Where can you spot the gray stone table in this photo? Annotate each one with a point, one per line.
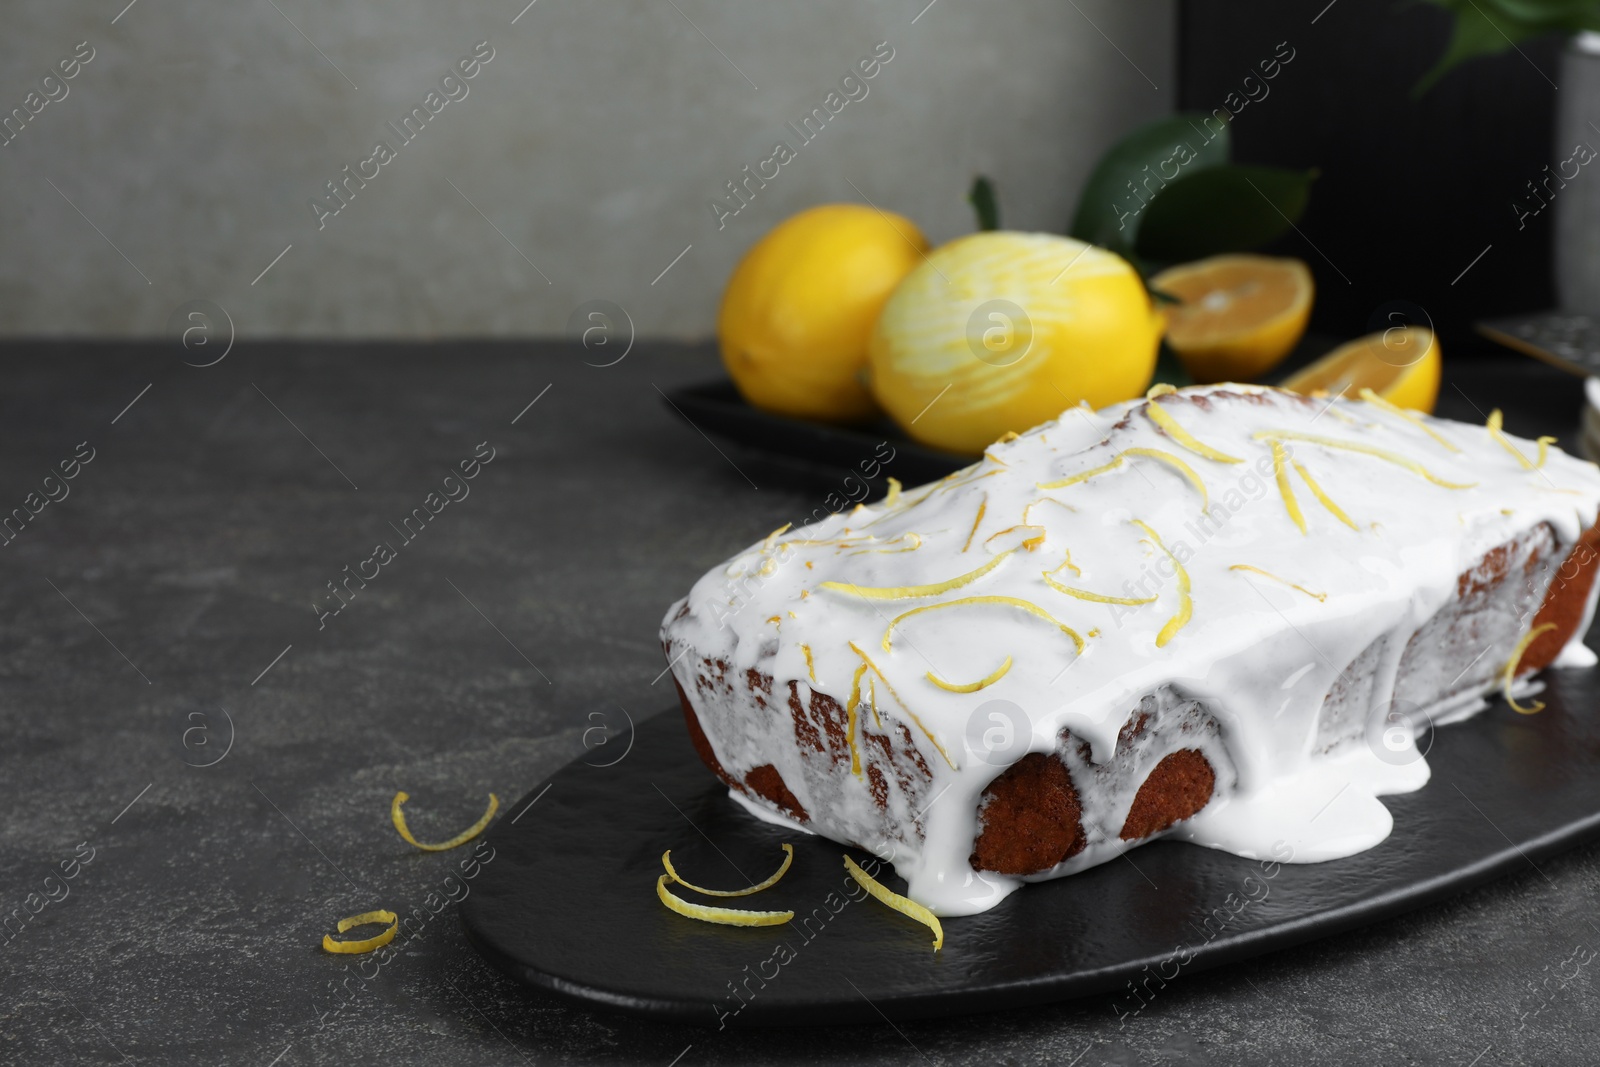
(168, 604)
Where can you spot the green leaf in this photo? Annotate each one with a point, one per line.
(984, 204)
(1113, 202)
(1230, 208)
(1484, 27)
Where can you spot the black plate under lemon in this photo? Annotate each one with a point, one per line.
(568, 903)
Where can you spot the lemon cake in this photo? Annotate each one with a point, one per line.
(1221, 614)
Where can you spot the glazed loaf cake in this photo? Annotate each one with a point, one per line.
(1220, 613)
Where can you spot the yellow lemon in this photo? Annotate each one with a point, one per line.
(1002, 331)
(1239, 316)
(799, 309)
(1401, 364)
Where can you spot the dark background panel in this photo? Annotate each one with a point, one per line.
(1410, 190)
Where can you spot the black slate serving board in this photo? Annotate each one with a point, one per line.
(569, 903)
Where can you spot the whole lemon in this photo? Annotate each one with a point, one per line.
(1002, 331)
(798, 312)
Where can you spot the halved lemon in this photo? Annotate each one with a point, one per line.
(1239, 316)
(1401, 364)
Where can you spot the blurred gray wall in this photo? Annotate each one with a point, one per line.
(180, 160)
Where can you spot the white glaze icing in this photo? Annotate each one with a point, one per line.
(1256, 653)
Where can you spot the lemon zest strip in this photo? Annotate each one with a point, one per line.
(1084, 594)
(983, 505)
(1323, 498)
(865, 659)
(1029, 543)
(893, 494)
(783, 868)
(904, 905)
(399, 819)
(1268, 574)
(1280, 471)
(1010, 601)
(906, 592)
(352, 948)
(811, 666)
(1366, 450)
(1494, 424)
(1083, 476)
(722, 916)
(1508, 673)
(1043, 500)
(1163, 418)
(1178, 465)
(1401, 413)
(1162, 455)
(972, 687)
(914, 538)
(850, 725)
(771, 538)
(1544, 450)
(1185, 600)
(1160, 389)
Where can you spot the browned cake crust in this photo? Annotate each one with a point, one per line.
(1179, 787)
(1564, 603)
(1030, 818)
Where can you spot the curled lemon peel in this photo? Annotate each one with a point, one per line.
(972, 687)
(352, 948)
(1185, 600)
(1163, 418)
(399, 819)
(1029, 543)
(783, 868)
(1401, 413)
(1026, 511)
(1009, 435)
(1159, 389)
(894, 493)
(721, 916)
(983, 505)
(904, 905)
(1010, 601)
(772, 538)
(867, 661)
(1083, 476)
(1508, 673)
(811, 666)
(1494, 424)
(1084, 594)
(1158, 454)
(1544, 450)
(1366, 450)
(1268, 574)
(850, 720)
(1323, 498)
(1280, 471)
(907, 592)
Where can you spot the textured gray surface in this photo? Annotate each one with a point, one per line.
(196, 542)
(594, 141)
